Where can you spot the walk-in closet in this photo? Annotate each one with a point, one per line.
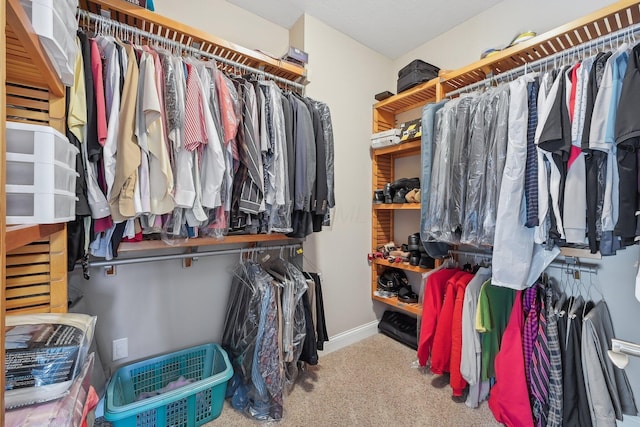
(240, 213)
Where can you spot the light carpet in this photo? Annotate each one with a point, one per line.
(374, 382)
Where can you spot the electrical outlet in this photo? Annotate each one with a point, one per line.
(120, 348)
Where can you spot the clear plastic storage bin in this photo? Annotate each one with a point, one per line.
(40, 177)
(55, 23)
(24, 206)
(39, 144)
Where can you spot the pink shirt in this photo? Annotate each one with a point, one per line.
(98, 87)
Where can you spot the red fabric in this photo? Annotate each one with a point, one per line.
(195, 135)
(573, 155)
(98, 87)
(441, 352)
(456, 381)
(136, 238)
(89, 405)
(572, 94)
(434, 288)
(509, 399)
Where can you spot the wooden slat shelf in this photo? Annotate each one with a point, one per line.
(29, 62)
(415, 309)
(409, 99)
(17, 236)
(397, 206)
(154, 23)
(409, 148)
(402, 266)
(149, 245)
(605, 21)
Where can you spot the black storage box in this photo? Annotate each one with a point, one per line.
(401, 327)
(415, 73)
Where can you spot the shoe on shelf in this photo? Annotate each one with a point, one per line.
(406, 295)
(410, 197)
(399, 254)
(403, 186)
(388, 193)
(399, 196)
(426, 261)
(378, 197)
(418, 195)
(414, 242)
(414, 258)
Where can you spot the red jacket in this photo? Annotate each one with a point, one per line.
(441, 353)
(456, 381)
(434, 289)
(509, 399)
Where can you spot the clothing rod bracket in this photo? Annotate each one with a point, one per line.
(110, 270)
(188, 262)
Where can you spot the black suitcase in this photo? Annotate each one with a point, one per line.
(415, 73)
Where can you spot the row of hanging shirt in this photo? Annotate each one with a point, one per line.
(548, 159)
(275, 321)
(172, 144)
(538, 355)
(552, 368)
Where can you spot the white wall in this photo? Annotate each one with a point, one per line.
(229, 22)
(495, 28)
(346, 75)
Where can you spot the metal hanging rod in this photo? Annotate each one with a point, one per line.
(573, 266)
(540, 63)
(179, 46)
(140, 260)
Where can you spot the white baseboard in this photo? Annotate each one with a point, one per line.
(351, 336)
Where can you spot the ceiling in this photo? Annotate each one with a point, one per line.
(391, 27)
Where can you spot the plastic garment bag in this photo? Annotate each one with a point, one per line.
(427, 156)
(441, 172)
(251, 339)
(515, 258)
(454, 216)
(497, 145)
(476, 170)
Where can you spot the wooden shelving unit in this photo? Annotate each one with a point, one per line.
(612, 18)
(383, 171)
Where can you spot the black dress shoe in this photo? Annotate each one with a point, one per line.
(406, 295)
(426, 261)
(414, 258)
(398, 197)
(414, 242)
(378, 197)
(388, 193)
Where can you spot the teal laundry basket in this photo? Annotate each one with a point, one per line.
(190, 406)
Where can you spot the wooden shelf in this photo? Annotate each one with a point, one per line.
(159, 25)
(402, 266)
(410, 99)
(150, 245)
(409, 148)
(17, 236)
(612, 18)
(397, 206)
(29, 63)
(415, 309)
